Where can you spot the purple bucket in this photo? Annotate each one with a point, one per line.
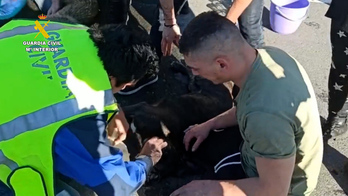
(287, 15)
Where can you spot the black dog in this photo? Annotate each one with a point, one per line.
(171, 116)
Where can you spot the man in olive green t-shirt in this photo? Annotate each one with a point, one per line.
(278, 118)
(276, 110)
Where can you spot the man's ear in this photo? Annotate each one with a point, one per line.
(221, 62)
(165, 129)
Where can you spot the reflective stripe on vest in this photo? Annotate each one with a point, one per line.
(9, 163)
(46, 116)
(41, 92)
(29, 29)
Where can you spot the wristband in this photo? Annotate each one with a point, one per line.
(169, 26)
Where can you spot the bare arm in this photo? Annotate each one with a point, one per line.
(237, 9)
(226, 119)
(275, 177)
(274, 180)
(171, 31)
(117, 128)
(168, 11)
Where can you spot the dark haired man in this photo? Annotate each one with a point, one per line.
(68, 113)
(276, 111)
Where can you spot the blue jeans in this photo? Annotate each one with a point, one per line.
(44, 5)
(250, 24)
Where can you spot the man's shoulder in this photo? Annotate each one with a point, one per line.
(279, 78)
(271, 55)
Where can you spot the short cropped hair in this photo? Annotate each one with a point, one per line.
(204, 27)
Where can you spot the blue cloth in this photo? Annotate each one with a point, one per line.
(81, 153)
(9, 8)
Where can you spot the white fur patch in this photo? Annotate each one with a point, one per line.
(133, 128)
(165, 129)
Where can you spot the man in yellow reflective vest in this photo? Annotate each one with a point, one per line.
(57, 88)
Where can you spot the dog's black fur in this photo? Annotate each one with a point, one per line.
(170, 117)
(86, 12)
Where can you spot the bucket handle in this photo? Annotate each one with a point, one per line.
(300, 19)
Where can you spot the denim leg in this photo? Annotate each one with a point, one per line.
(250, 24)
(44, 5)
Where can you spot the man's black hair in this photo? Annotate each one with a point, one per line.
(127, 53)
(203, 27)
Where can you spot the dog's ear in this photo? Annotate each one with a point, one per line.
(165, 129)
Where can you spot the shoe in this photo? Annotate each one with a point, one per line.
(139, 85)
(337, 122)
(335, 126)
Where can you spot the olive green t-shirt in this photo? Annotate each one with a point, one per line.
(278, 117)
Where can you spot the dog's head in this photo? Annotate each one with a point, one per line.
(144, 125)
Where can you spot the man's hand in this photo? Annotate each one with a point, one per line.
(56, 5)
(153, 148)
(200, 132)
(170, 35)
(117, 128)
(200, 188)
(237, 8)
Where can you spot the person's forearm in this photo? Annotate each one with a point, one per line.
(121, 121)
(251, 187)
(237, 8)
(226, 119)
(243, 187)
(168, 11)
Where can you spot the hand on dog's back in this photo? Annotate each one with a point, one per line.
(153, 148)
(199, 132)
